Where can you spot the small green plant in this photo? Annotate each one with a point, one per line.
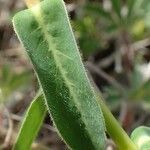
(78, 112)
(110, 19)
(141, 136)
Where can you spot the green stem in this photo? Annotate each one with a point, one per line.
(115, 131)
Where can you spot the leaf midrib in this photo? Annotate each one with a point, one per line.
(38, 15)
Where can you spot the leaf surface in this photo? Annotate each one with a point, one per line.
(31, 124)
(141, 137)
(46, 34)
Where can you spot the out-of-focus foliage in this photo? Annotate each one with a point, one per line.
(98, 22)
(11, 81)
(138, 91)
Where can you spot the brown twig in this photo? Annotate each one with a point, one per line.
(106, 61)
(92, 67)
(8, 137)
(142, 44)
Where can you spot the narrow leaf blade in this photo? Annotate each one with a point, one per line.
(50, 44)
(31, 124)
(130, 4)
(116, 4)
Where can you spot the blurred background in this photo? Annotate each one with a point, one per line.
(114, 40)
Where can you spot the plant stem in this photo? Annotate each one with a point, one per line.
(115, 131)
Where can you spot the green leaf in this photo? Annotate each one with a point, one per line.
(97, 10)
(141, 137)
(141, 92)
(31, 124)
(130, 4)
(116, 4)
(46, 33)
